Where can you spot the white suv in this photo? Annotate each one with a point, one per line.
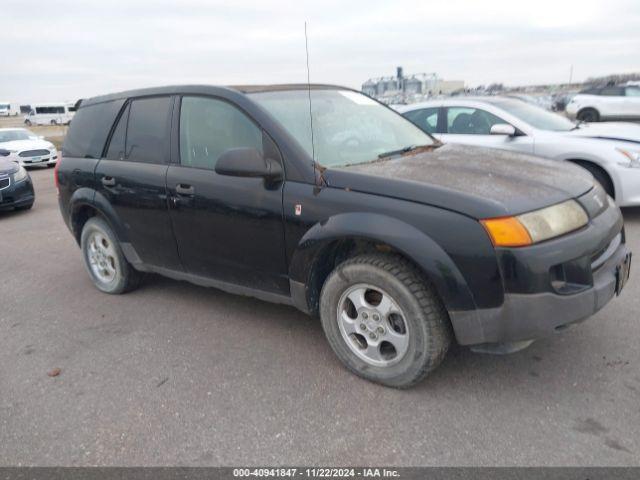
(606, 103)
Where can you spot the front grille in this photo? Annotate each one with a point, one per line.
(34, 153)
(4, 182)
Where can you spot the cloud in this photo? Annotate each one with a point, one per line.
(67, 49)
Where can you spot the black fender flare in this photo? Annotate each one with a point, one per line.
(412, 243)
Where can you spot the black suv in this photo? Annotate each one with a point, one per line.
(320, 197)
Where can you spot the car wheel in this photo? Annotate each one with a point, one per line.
(104, 260)
(27, 123)
(588, 115)
(53, 122)
(383, 320)
(51, 165)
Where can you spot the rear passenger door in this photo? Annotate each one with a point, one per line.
(132, 177)
(227, 228)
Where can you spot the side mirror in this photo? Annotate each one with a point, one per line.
(248, 162)
(503, 129)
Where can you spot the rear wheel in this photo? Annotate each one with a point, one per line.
(588, 115)
(383, 321)
(28, 123)
(104, 260)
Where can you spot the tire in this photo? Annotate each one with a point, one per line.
(51, 165)
(391, 280)
(588, 115)
(28, 123)
(104, 260)
(601, 177)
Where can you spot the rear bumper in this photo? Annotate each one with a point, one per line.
(551, 285)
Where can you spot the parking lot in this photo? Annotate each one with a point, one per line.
(175, 374)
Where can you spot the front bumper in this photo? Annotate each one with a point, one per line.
(17, 195)
(551, 285)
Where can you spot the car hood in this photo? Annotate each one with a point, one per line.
(21, 145)
(628, 132)
(478, 182)
(7, 167)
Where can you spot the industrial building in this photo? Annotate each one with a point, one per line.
(403, 89)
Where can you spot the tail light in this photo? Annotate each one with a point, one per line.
(56, 172)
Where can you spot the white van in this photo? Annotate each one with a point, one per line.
(5, 109)
(50, 114)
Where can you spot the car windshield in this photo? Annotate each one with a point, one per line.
(11, 135)
(348, 127)
(535, 116)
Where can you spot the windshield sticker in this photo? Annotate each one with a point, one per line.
(357, 98)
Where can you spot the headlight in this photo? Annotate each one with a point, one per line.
(537, 226)
(20, 175)
(632, 155)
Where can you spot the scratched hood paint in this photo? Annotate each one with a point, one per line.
(478, 182)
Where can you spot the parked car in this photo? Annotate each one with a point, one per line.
(5, 109)
(606, 103)
(398, 243)
(50, 114)
(610, 151)
(26, 148)
(16, 189)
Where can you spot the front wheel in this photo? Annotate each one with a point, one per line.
(588, 115)
(383, 320)
(104, 260)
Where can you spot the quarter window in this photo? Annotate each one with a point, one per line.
(210, 127)
(470, 121)
(425, 118)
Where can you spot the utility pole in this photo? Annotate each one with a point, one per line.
(570, 74)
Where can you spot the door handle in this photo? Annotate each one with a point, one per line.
(108, 181)
(183, 189)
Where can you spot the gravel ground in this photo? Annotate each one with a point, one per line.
(174, 374)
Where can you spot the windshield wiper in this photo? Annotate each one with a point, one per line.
(404, 150)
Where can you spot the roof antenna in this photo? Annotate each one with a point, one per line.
(313, 147)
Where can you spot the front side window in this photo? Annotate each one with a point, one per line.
(210, 127)
(425, 118)
(348, 127)
(147, 130)
(470, 121)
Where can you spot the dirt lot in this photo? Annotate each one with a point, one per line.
(174, 374)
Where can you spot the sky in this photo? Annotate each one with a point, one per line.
(64, 50)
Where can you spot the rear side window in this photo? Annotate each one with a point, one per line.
(148, 130)
(210, 127)
(89, 129)
(633, 91)
(425, 118)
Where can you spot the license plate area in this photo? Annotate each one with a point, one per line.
(622, 273)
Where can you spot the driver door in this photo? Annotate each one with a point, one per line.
(472, 126)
